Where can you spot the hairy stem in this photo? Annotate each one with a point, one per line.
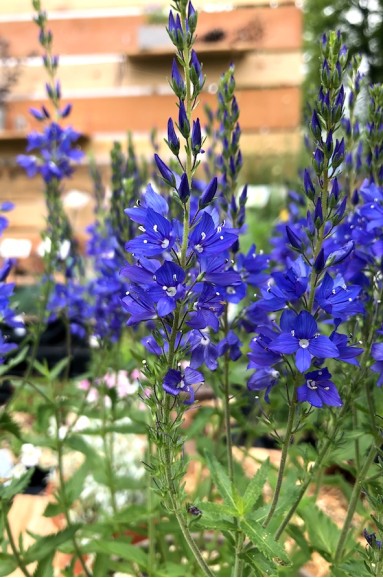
(353, 503)
(282, 465)
(12, 544)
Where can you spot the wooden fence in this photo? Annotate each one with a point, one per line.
(114, 65)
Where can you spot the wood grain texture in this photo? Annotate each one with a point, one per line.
(77, 75)
(262, 28)
(17, 7)
(273, 109)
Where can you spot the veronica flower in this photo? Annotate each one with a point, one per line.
(158, 236)
(231, 344)
(319, 390)
(300, 336)
(263, 378)
(377, 355)
(207, 309)
(207, 239)
(202, 350)
(5, 348)
(176, 382)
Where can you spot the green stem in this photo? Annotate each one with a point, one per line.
(226, 403)
(174, 500)
(313, 472)
(12, 544)
(282, 465)
(108, 453)
(238, 563)
(151, 525)
(64, 497)
(353, 503)
(356, 443)
(319, 243)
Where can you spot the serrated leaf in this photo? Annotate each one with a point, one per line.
(263, 540)
(258, 562)
(45, 545)
(8, 564)
(124, 550)
(221, 480)
(17, 486)
(255, 487)
(323, 532)
(217, 510)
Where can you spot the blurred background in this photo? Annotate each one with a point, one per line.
(115, 59)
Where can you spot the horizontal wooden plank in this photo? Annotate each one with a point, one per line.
(265, 28)
(277, 108)
(251, 71)
(17, 7)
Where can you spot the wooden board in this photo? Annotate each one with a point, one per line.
(261, 28)
(79, 74)
(17, 7)
(260, 109)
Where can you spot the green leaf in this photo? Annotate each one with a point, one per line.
(323, 532)
(7, 424)
(45, 566)
(216, 516)
(221, 480)
(255, 487)
(7, 564)
(117, 548)
(41, 368)
(263, 540)
(58, 368)
(17, 486)
(45, 545)
(258, 562)
(13, 361)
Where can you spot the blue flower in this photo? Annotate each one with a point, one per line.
(168, 278)
(202, 350)
(300, 336)
(338, 299)
(5, 347)
(263, 378)
(158, 236)
(231, 343)
(207, 309)
(207, 239)
(176, 382)
(319, 390)
(377, 355)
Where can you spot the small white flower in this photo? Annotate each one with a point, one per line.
(30, 455)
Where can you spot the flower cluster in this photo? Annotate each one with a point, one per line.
(313, 291)
(8, 316)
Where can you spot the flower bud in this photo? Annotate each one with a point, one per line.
(183, 188)
(177, 83)
(166, 173)
(173, 141)
(196, 138)
(183, 121)
(208, 194)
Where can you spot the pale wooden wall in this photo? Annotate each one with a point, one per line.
(116, 86)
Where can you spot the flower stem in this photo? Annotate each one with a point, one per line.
(314, 470)
(64, 497)
(12, 544)
(173, 497)
(226, 403)
(353, 503)
(282, 465)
